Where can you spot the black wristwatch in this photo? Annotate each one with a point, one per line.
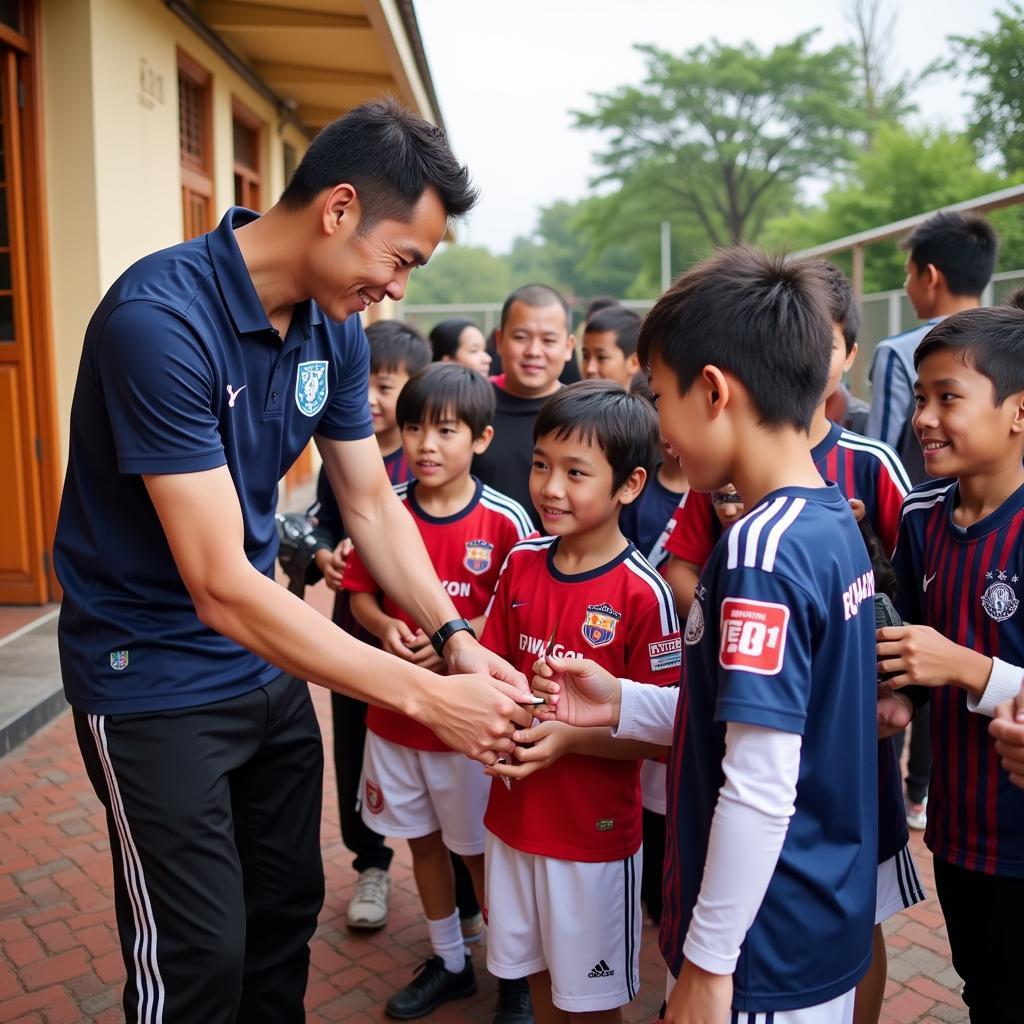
(447, 631)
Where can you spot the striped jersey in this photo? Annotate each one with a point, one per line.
(621, 615)
(966, 583)
(781, 635)
(467, 550)
(646, 521)
(860, 466)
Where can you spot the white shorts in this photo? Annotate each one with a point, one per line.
(899, 886)
(580, 921)
(412, 793)
(653, 783)
(835, 1011)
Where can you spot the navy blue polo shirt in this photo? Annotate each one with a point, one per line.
(181, 371)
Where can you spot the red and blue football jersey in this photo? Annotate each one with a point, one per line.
(781, 635)
(648, 520)
(966, 583)
(467, 550)
(620, 615)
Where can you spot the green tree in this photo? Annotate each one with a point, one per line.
(723, 135)
(460, 273)
(995, 61)
(905, 173)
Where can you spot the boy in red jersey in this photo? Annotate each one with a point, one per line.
(413, 785)
(960, 562)
(563, 845)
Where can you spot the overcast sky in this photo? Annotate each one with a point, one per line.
(508, 75)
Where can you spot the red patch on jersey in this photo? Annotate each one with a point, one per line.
(753, 636)
(374, 797)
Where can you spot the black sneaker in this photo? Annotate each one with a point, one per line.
(514, 1006)
(432, 985)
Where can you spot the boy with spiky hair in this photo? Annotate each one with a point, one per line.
(960, 562)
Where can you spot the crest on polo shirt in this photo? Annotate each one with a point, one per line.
(478, 556)
(311, 386)
(999, 601)
(118, 660)
(599, 624)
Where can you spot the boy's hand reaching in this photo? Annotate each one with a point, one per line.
(1007, 729)
(398, 639)
(700, 997)
(424, 654)
(921, 655)
(577, 691)
(895, 710)
(548, 742)
(858, 508)
(332, 563)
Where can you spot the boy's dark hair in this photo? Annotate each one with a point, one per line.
(391, 156)
(443, 390)
(395, 345)
(597, 303)
(444, 338)
(762, 318)
(624, 323)
(623, 426)
(842, 306)
(962, 245)
(538, 296)
(990, 339)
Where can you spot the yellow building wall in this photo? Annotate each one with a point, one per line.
(110, 111)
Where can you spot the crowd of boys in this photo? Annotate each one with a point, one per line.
(740, 778)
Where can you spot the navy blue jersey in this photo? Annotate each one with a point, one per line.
(966, 583)
(182, 372)
(781, 635)
(644, 522)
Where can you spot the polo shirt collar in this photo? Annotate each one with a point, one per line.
(240, 298)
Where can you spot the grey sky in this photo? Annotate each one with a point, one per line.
(508, 76)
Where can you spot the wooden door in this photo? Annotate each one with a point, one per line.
(24, 561)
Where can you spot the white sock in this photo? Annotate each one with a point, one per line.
(446, 938)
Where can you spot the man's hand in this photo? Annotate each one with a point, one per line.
(922, 655)
(548, 742)
(700, 997)
(471, 714)
(1007, 729)
(895, 710)
(332, 564)
(466, 654)
(577, 691)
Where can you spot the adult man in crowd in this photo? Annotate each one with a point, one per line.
(205, 371)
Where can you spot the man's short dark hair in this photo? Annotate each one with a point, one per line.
(443, 390)
(396, 346)
(623, 323)
(391, 156)
(538, 296)
(842, 306)
(444, 338)
(599, 412)
(989, 339)
(963, 246)
(762, 318)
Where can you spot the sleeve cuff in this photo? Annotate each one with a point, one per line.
(708, 961)
(627, 708)
(1004, 683)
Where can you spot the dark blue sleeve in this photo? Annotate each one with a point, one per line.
(158, 385)
(766, 638)
(347, 414)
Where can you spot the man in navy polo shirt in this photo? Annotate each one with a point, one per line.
(205, 371)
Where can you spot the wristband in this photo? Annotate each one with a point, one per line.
(1004, 683)
(447, 631)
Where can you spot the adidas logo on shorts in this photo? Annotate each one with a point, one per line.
(601, 970)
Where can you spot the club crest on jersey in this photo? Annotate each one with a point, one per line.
(999, 601)
(374, 797)
(478, 556)
(118, 660)
(311, 386)
(694, 624)
(599, 624)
